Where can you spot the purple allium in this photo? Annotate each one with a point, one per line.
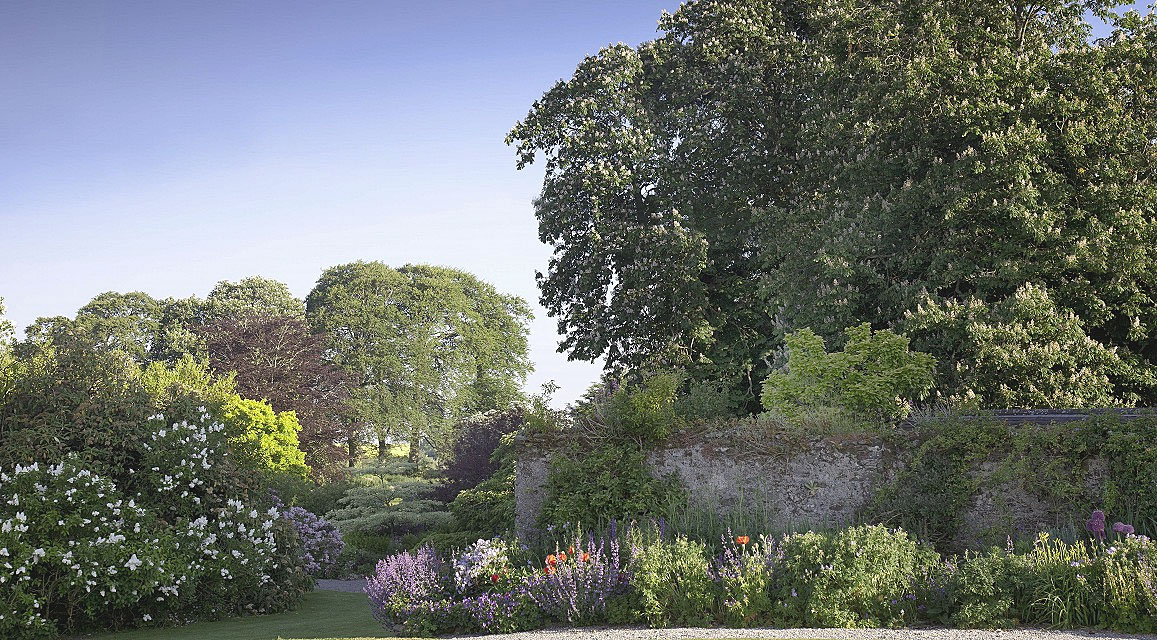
(1096, 524)
(1123, 529)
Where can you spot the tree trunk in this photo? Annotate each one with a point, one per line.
(383, 449)
(353, 450)
(415, 435)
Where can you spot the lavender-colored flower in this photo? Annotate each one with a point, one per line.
(577, 590)
(1122, 528)
(320, 540)
(1096, 524)
(406, 580)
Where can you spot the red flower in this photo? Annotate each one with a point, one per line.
(562, 556)
(586, 557)
(551, 560)
(548, 570)
(742, 539)
(571, 550)
(494, 578)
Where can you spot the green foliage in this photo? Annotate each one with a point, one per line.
(266, 438)
(6, 328)
(425, 345)
(673, 582)
(1026, 351)
(766, 166)
(874, 378)
(249, 297)
(592, 487)
(644, 412)
(389, 499)
(860, 577)
(942, 476)
(984, 591)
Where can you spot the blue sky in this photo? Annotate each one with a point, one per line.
(165, 146)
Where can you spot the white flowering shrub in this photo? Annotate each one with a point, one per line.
(186, 466)
(245, 560)
(74, 551)
(77, 553)
(478, 564)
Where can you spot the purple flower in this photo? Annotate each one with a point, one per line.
(1122, 528)
(1096, 524)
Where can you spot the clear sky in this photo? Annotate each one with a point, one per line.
(164, 146)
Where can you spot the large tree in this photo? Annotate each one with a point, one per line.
(768, 165)
(277, 359)
(425, 345)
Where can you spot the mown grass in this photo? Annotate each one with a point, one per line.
(324, 615)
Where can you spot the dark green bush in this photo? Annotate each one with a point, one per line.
(611, 482)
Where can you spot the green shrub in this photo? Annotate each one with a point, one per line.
(643, 412)
(984, 591)
(864, 576)
(265, 439)
(611, 482)
(874, 379)
(673, 582)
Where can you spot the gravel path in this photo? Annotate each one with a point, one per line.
(826, 634)
(349, 586)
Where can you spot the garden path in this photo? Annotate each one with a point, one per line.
(347, 586)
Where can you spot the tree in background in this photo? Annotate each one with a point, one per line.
(6, 328)
(276, 359)
(767, 166)
(424, 345)
(253, 296)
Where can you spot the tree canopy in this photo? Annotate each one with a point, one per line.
(424, 345)
(770, 165)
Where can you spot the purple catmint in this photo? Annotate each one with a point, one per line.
(405, 580)
(577, 590)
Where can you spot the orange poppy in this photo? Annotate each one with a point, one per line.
(494, 578)
(548, 570)
(551, 560)
(562, 556)
(586, 557)
(742, 539)
(571, 550)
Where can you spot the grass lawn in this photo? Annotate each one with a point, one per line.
(324, 615)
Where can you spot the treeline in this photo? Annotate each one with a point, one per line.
(372, 354)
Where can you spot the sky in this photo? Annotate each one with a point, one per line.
(164, 146)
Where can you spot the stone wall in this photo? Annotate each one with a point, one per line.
(820, 482)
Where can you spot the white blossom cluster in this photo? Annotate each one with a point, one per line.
(478, 562)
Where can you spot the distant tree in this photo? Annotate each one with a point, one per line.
(252, 296)
(425, 345)
(277, 359)
(6, 328)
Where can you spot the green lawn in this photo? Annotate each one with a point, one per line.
(324, 615)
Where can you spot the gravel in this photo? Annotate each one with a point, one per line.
(826, 634)
(348, 586)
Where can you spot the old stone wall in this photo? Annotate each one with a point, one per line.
(821, 482)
